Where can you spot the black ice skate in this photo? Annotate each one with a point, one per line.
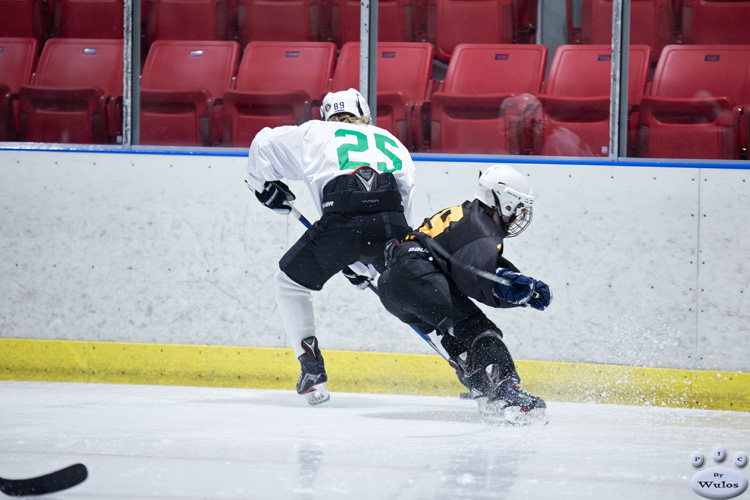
(506, 399)
(312, 378)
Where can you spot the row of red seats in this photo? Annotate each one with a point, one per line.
(494, 98)
(276, 83)
(658, 23)
(445, 23)
(193, 93)
(442, 22)
(72, 95)
(697, 105)
(654, 22)
(43, 19)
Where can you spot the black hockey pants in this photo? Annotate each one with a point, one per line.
(416, 291)
(340, 239)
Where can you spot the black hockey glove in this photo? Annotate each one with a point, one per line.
(357, 280)
(541, 297)
(276, 195)
(516, 289)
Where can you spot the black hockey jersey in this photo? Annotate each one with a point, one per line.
(469, 234)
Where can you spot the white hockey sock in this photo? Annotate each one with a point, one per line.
(295, 307)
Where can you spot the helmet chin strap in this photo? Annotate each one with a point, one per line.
(506, 225)
(497, 203)
(499, 211)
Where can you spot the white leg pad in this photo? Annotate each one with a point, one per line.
(295, 306)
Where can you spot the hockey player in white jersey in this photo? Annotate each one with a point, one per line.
(361, 178)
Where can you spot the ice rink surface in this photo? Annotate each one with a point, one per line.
(156, 442)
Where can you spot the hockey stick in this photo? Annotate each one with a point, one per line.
(49, 483)
(370, 285)
(440, 250)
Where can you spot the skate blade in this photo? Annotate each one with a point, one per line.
(317, 395)
(514, 416)
(482, 405)
(510, 415)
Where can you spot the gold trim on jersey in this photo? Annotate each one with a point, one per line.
(441, 220)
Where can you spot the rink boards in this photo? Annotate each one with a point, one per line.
(647, 263)
(365, 372)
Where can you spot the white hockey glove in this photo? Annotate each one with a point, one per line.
(276, 195)
(358, 280)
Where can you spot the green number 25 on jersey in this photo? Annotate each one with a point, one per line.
(363, 143)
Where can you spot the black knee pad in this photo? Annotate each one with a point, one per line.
(488, 348)
(462, 336)
(483, 344)
(452, 345)
(467, 330)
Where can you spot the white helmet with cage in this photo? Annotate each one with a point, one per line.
(503, 188)
(345, 101)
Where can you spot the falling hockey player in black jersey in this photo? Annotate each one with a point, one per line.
(432, 274)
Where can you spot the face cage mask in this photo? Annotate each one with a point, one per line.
(519, 221)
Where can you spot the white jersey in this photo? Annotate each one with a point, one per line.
(317, 151)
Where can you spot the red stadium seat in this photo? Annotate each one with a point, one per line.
(651, 23)
(472, 21)
(468, 114)
(22, 18)
(76, 96)
(17, 62)
(186, 20)
(715, 22)
(87, 18)
(278, 83)
(576, 101)
(403, 82)
(181, 81)
(694, 107)
(278, 20)
(395, 21)
(518, 23)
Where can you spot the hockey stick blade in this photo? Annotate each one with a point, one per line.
(49, 483)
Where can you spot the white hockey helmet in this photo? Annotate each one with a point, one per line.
(503, 188)
(345, 101)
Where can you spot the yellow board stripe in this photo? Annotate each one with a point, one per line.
(370, 372)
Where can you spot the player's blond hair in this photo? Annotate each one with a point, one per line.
(350, 118)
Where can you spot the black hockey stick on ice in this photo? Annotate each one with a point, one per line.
(371, 286)
(49, 483)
